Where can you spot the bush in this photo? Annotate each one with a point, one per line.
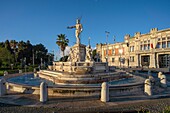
(1, 73)
(30, 69)
(63, 59)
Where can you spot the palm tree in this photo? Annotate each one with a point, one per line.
(62, 42)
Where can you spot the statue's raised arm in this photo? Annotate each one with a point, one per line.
(70, 27)
(78, 31)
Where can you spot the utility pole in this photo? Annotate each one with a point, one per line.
(107, 34)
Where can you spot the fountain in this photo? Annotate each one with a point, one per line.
(79, 76)
(80, 67)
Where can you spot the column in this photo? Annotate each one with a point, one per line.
(137, 60)
(157, 60)
(152, 61)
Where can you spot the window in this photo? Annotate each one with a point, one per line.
(148, 41)
(141, 47)
(106, 52)
(168, 38)
(148, 46)
(145, 47)
(131, 58)
(113, 59)
(131, 48)
(159, 39)
(146, 59)
(158, 45)
(113, 51)
(163, 44)
(168, 44)
(163, 38)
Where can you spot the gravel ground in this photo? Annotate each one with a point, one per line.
(154, 106)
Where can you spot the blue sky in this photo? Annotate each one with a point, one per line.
(40, 21)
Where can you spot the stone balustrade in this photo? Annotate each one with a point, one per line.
(77, 90)
(72, 67)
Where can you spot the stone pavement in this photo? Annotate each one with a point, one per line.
(29, 103)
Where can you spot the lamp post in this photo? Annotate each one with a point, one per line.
(114, 39)
(53, 55)
(107, 34)
(89, 41)
(120, 52)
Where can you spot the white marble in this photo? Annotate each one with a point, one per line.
(163, 81)
(105, 92)
(148, 87)
(43, 92)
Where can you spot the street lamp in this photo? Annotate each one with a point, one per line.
(107, 34)
(52, 55)
(89, 41)
(120, 52)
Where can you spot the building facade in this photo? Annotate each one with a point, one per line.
(142, 50)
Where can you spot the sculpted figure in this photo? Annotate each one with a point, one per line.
(88, 53)
(71, 55)
(78, 31)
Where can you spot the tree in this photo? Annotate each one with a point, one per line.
(94, 54)
(28, 51)
(13, 45)
(20, 52)
(7, 45)
(62, 42)
(2, 44)
(6, 57)
(40, 52)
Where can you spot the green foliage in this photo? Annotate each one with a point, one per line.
(7, 45)
(166, 110)
(62, 42)
(1, 72)
(6, 58)
(63, 59)
(94, 53)
(21, 53)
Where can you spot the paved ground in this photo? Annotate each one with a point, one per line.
(31, 104)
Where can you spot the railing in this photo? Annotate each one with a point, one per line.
(71, 66)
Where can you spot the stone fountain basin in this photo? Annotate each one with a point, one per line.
(83, 70)
(75, 89)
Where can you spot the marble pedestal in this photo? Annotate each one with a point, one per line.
(80, 52)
